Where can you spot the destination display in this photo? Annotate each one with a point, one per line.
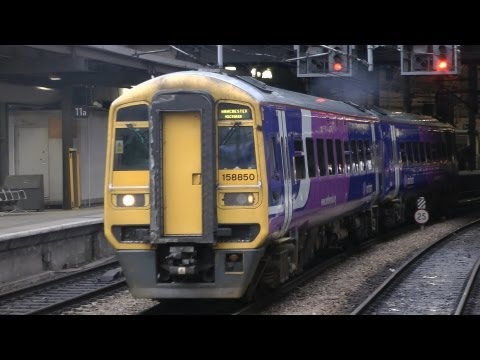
(227, 111)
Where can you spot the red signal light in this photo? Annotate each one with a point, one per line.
(442, 65)
(338, 60)
(442, 60)
(337, 66)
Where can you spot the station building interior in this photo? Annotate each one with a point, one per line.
(54, 99)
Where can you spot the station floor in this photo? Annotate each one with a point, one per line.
(20, 223)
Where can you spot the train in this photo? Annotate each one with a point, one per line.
(217, 185)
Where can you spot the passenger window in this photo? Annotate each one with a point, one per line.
(273, 160)
(368, 155)
(443, 150)
(310, 157)
(353, 149)
(330, 157)
(450, 142)
(299, 159)
(298, 145)
(434, 151)
(409, 152)
(299, 167)
(361, 156)
(321, 158)
(348, 157)
(416, 153)
(421, 147)
(340, 162)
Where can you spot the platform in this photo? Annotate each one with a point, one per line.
(33, 242)
(24, 223)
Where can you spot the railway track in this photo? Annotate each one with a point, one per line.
(441, 279)
(315, 270)
(236, 307)
(54, 295)
(239, 307)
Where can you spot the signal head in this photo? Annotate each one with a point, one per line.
(443, 58)
(337, 61)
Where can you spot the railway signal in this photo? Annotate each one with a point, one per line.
(442, 58)
(338, 60)
(429, 60)
(323, 60)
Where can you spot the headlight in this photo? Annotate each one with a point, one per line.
(129, 200)
(239, 199)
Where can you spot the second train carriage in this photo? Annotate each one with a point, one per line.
(215, 183)
(418, 161)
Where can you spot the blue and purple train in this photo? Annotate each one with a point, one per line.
(216, 185)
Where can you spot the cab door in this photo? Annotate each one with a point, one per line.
(182, 175)
(182, 168)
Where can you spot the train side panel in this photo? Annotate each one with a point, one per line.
(328, 163)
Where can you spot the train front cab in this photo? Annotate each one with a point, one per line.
(206, 226)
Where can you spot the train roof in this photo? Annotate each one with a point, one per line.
(269, 94)
(408, 118)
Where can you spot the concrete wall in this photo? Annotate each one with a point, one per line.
(30, 255)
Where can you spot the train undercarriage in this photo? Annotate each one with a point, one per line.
(289, 255)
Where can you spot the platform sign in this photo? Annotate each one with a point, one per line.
(80, 101)
(421, 216)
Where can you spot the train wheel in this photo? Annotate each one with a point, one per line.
(373, 221)
(302, 258)
(256, 287)
(357, 229)
(310, 244)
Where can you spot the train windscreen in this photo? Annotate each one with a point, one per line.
(235, 147)
(131, 149)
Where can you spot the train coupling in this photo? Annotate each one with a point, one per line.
(182, 260)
